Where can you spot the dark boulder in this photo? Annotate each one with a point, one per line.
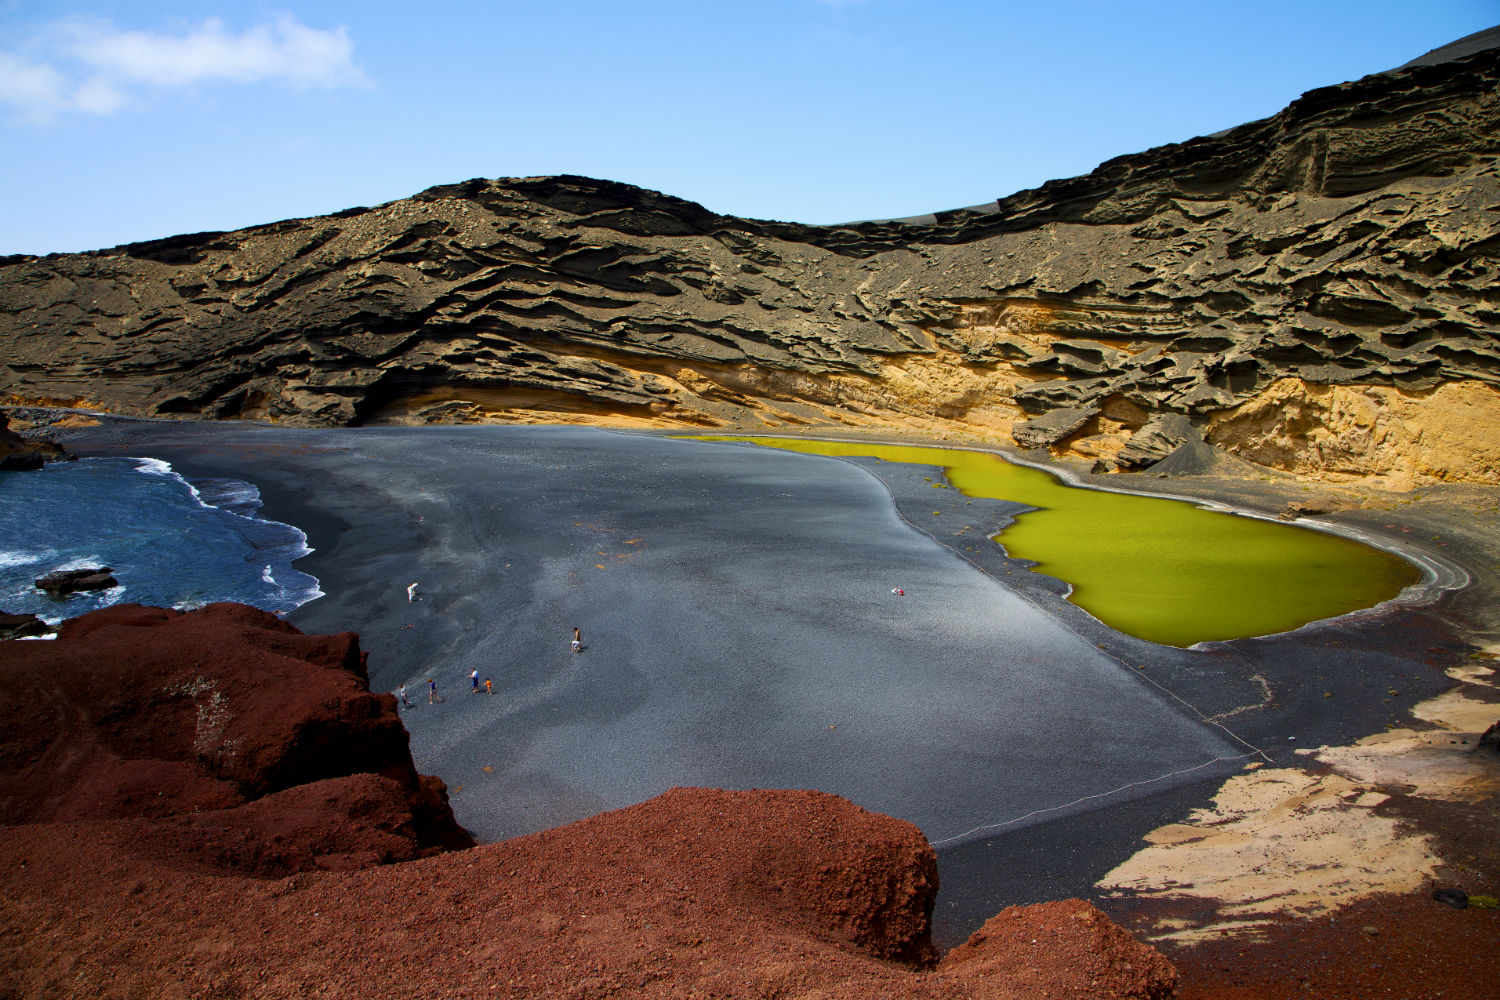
(1490, 740)
(1161, 436)
(17, 453)
(67, 581)
(1455, 898)
(21, 461)
(22, 626)
(1053, 426)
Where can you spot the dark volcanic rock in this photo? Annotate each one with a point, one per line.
(1052, 426)
(1195, 457)
(1348, 241)
(22, 626)
(1157, 439)
(68, 581)
(1456, 898)
(17, 453)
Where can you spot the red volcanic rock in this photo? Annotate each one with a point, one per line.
(197, 804)
(1408, 946)
(1021, 945)
(804, 860)
(145, 714)
(695, 893)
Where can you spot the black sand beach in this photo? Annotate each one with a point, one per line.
(740, 631)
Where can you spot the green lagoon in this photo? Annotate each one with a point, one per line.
(1164, 570)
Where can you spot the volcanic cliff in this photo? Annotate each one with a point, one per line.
(211, 803)
(1315, 292)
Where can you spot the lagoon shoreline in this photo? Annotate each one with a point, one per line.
(313, 480)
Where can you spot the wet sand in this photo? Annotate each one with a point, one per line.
(739, 631)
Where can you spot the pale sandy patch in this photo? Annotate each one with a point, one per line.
(1279, 840)
(1273, 841)
(1455, 711)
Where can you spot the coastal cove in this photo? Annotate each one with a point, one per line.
(552, 587)
(171, 543)
(1153, 567)
(740, 632)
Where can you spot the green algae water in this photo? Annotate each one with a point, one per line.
(1164, 570)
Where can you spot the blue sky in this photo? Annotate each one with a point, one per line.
(132, 121)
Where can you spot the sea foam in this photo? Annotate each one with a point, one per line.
(170, 542)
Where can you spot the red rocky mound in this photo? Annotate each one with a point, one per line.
(197, 805)
(223, 736)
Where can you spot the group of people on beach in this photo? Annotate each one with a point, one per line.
(432, 693)
(433, 697)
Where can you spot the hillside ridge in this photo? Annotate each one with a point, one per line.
(1314, 292)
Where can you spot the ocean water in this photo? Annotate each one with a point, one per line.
(169, 542)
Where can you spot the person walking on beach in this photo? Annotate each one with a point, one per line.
(474, 681)
(577, 643)
(431, 691)
(489, 687)
(411, 593)
(403, 697)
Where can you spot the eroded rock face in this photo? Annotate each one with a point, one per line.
(223, 735)
(1349, 241)
(1346, 431)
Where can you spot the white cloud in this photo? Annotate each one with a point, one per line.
(92, 67)
(30, 85)
(98, 96)
(284, 50)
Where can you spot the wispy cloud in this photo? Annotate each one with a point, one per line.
(89, 66)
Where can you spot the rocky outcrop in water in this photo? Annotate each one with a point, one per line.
(23, 626)
(1313, 292)
(63, 582)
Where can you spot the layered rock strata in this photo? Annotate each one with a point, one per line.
(1315, 291)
